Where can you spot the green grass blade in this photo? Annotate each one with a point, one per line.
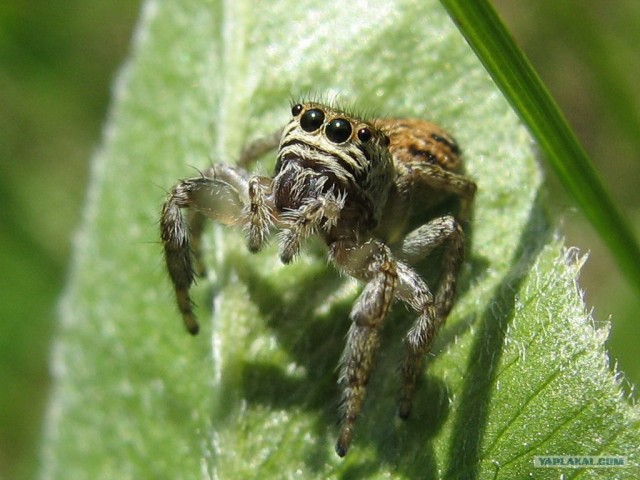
(515, 76)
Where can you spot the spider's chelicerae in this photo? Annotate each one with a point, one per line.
(357, 185)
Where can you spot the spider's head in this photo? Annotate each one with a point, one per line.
(329, 131)
(331, 149)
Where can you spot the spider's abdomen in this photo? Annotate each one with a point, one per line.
(414, 140)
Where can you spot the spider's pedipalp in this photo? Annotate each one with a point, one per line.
(322, 212)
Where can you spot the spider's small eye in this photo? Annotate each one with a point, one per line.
(312, 120)
(364, 135)
(296, 109)
(386, 141)
(338, 130)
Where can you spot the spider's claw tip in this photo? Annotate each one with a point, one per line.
(404, 408)
(342, 445)
(341, 450)
(404, 413)
(191, 325)
(286, 259)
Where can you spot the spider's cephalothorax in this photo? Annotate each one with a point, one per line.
(360, 186)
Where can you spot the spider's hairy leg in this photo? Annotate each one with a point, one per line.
(322, 211)
(219, 195)
(413, 291)
(423, 240)
(371, 261)
(417, 244)
(451, 263)
(258, 212)
(443, 180)
(196, 222)
(429, 161)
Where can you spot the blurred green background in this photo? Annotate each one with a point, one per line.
(57, 64)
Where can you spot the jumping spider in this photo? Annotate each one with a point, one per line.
(355, 184)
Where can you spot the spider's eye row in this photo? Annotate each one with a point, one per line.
(312, 120)
(364, 135)
(338, 130)
(296, 109)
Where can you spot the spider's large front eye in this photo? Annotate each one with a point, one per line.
(312, 120)
(338, 130)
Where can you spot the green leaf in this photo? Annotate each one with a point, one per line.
(519, 370)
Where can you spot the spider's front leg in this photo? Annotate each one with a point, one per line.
(259, 213)
(218, 194)
(372, 262)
